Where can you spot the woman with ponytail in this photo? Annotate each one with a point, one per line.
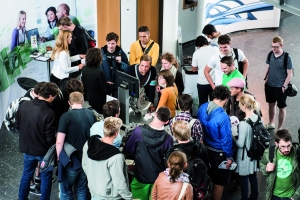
(169, 183)
(246, 167)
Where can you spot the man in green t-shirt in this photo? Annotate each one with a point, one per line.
(283, 174)
(229, 70)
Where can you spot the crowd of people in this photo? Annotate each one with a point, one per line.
(90, 163)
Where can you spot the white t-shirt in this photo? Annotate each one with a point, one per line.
(214, 63)
(200, 58)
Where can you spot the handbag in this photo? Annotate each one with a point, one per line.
(291, 90)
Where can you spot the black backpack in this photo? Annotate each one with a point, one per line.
(90, 39)
(240, 64)
(260, 140)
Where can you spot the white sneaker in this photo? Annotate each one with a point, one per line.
(270, 126)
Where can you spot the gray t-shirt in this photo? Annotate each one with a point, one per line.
(277, 71)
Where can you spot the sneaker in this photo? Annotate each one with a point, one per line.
(270, 126)
(35, 191)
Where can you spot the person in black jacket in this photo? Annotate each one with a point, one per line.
(37, 124)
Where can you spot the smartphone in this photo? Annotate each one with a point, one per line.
(224, 163)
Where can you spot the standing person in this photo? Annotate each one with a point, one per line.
(217, 138)
(113, 59)
(19, 33)
(229, 70)
(283, 170)
(104, 164)
(37, 125)
(246, 167)
(93, 80)
(200, 58)
(79, 44)
(170, 182)
(277, 78)
(63, 10)
(144, 45)
(224, 42)
(150, 144)
(211, 32)
(74, 128)
(168, 62)
(52, 30)
(168, 90)
(62, 60)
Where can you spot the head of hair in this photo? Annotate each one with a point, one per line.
(112, 36)
(277, 39)
(201, 41)
(176, 161)
(249, 102)
(76, 98)
(111, 126)
(66, 8)
(228, 60)
(209, 29)
(181, 130)
(22, 12)
(143, 29)
(111, 108)
(146, 57)
(221, 93)
(48, 89)
(74, 85)
(61, 43)
(283, 134)
(54, 11)
(64, 21)
(224, 39)
(168, 76)
(185, 102)
(163, 114)
(37, 87)
(170, 58)
(93, 58)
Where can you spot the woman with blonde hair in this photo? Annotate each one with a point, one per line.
(62, 60)
(168, 90)
(246, 167)
(19, 33)
(173, 183)
(168, 62)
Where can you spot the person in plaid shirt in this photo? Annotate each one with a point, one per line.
(185, 102)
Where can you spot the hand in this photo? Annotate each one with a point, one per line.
(118, 59)
(229, 162)
(283, 89)
(80, 66)
(151, 109)
(42, 39)
(81, 56)
(158, 88)
(270, 167)
(110, 83)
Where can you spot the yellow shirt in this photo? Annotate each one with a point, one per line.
(168, 98)
(136, 52)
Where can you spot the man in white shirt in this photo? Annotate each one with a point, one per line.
(224, 42)
(200, 58)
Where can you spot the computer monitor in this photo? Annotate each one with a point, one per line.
(129, 82)
(31, 32)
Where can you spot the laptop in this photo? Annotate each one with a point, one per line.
(31, 32)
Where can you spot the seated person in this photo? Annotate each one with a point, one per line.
(146, 74)
(19, 33)
(110, 109)
(168, 90)
(52, 30)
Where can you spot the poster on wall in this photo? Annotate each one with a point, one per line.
(235, 15)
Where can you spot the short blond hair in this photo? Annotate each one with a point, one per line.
(111, 126)
(76, 97)
(181, 130)
(278, 39)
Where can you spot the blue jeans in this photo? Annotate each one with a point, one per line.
(279, 198)
(74, 178)
(204, 91)
(30, 162)
(244, 186)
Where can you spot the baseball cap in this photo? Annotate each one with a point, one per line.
(236, 82)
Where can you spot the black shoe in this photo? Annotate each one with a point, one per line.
(35, 191)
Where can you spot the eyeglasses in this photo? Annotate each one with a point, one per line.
(285, 147)
(274, 47)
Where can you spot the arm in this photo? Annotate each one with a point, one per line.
(75, 58)
(163, 98)
(83, 43)
(194, 69)
(50, 129)
(65, 63)
(243, 133)
(124, 62)
(207, 70)
(225, 136)
(102, 82)
(264, 162)
(132, 54)
(288, 78)
(266, 76)
(60, 139)
(245, 67)
(154, 190)
(296, 174)
(130, 144)
(14, 39)
(154, 53)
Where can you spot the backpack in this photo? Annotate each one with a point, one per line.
(91, 40)
(260, 140)
(9, 119)
(240, 64)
